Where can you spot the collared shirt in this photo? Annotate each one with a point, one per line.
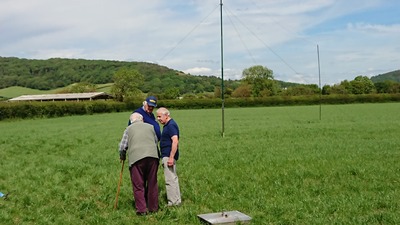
(169, 129)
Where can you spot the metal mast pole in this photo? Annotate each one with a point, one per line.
(222, 73)
(320, 88)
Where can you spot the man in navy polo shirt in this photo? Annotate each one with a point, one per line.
(170, 154)
(147, 112)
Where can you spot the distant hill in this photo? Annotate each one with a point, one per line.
(390, 76)
(57, 73)
(15, 91)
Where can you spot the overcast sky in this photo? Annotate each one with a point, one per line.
(355, 37)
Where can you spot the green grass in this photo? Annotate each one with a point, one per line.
(279, 165)
(15, 91)
(104, 87)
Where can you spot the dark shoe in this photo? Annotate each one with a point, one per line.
(6, 196)
(141, 213)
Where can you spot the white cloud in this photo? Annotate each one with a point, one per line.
(185, 34)
(372, 28)
(198, 70)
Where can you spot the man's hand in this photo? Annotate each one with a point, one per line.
(170, 162)
(122, 155)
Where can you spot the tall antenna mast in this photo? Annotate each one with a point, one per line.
(320, 88)
(222, 73)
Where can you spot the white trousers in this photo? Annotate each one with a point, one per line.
(171, 183)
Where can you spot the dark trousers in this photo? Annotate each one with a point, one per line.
(144, 184)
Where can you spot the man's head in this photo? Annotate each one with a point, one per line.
(136, 117)
(163, 115)
(150, 103)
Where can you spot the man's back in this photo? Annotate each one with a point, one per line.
(142, 142)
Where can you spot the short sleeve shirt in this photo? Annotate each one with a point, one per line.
(170, 129)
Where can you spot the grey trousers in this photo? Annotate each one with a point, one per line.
(171, 183)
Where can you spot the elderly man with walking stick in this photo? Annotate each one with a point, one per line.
(139, 142)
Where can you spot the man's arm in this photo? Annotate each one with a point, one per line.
(123, 145)
(174, 148)
(157, 130)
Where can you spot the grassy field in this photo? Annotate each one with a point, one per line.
(12, 92)
(279, 165)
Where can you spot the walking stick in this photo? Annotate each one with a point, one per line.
(119, 184)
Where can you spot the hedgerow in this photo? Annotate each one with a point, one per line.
(23, 110)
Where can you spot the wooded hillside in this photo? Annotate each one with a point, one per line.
(55, 73)
(391, 76)
(58, 72)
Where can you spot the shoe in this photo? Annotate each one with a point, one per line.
(173, 205)
(141, 213)
(5, 196)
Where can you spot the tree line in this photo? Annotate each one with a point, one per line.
(258, 81)
(132, 79)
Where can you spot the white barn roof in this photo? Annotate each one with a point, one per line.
(63, 97)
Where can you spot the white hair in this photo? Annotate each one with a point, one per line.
(163, 111)
(136, 117)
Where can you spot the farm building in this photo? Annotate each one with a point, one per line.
(64, 97)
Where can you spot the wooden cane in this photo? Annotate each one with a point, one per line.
(119, 185)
